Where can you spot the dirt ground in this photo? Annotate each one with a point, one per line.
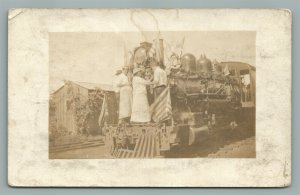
(236, 143)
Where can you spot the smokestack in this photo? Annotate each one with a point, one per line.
(159, 46)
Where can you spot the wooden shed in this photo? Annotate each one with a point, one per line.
(64, 103)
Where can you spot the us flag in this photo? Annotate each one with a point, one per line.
(103, 113)
(147, 146)
(161, 108)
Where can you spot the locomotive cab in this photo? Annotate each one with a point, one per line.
(246, 75)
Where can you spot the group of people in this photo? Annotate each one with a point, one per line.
(131, 91)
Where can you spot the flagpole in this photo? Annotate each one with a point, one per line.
(102, 113)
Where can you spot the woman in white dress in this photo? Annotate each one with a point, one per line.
(125, 104)
(140, 106)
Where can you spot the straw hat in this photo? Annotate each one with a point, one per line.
(125, 67)
(136, 70)
(118, 72)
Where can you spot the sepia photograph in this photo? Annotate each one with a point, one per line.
(180, 94)
(149, 97)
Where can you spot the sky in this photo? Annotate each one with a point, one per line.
(94, 57)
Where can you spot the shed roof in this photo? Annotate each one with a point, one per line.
(93, 86)
(90, 86)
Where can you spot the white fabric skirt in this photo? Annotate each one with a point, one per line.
(140, 108)
(125, 102)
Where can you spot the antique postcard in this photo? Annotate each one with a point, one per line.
(149, 97)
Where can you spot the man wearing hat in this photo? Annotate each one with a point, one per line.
(140, 105)
(125, 103)
(160, 79)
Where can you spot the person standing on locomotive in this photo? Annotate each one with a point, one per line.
(160, 79)
(149, 88)
(140, 104)
(125, 103)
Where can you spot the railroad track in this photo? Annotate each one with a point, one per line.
(78, 145)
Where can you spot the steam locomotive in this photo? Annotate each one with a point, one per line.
(208, 98)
